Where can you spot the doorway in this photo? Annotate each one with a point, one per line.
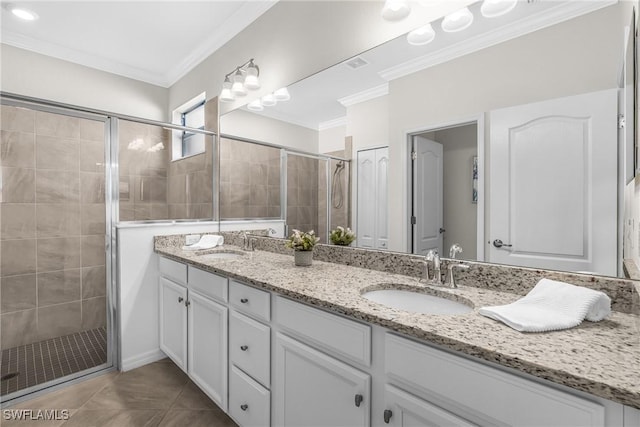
(446, 197)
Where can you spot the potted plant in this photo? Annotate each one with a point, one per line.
(341, 236)
(302, 243)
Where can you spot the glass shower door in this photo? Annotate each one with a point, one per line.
(55, 316)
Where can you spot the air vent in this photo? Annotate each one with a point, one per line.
(356, 62)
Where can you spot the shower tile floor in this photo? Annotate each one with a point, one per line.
(54, 358)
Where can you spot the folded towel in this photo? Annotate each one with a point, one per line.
(207, 241)
(550, 306)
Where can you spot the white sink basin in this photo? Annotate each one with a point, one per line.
(220, 255)
(416, 302)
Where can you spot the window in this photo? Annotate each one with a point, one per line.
(191, 114)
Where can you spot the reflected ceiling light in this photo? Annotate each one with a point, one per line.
(282, 94)
(226, 95)
(22, 12)
(395, 10)
(255, 105)
(457, 21)
(269, 100)
(239, 80)
(421, 36)
(495, 8)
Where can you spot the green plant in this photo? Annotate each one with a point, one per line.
(341, 236)
(302, 241)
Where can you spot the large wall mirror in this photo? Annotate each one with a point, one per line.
(506, 137)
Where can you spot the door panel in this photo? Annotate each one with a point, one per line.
(173, 321)
(427, 199)
(552, 186)
(366, 199)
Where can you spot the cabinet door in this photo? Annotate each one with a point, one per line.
(173, 321)
(405, 410)
(313, 389)
(208, 347)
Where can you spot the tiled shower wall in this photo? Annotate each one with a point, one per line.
(52, 226)
(249, 180)
(339, 215)
(302, 193)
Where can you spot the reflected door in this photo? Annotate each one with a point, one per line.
(552, 187)
(427, 195)
(373, 171)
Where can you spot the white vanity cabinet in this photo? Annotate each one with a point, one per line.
(194, 325)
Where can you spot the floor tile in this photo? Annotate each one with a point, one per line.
(196, 418)
(116, 418)
(193, 398)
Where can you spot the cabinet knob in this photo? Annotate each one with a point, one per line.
(244, 406)
(244, 300)
(180, 299)
(244, 347)
(359, 400)
(387, 415)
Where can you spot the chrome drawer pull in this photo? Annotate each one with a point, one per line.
(387, 415)
(359, 400)
(244, 300)
(244, 347)
(244, 406)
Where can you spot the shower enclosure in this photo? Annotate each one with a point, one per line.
(55, 316)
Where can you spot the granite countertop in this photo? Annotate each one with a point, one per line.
(601, 358)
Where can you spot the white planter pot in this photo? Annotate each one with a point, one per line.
(303, 258)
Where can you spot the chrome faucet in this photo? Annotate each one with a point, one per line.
(454, 250)
(451, 280)
(245, 240)
(433, 257)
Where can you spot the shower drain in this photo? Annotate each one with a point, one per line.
(9, 376)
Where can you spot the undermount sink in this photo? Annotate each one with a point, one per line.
(416, 302)
(220, 255)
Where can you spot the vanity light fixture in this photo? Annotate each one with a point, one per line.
(21, 12)
(457, 21)
(395, 10)
(269, 100)
(421, 36)
(282, 94)
(255, 105)
(236, 83)
(495, 8)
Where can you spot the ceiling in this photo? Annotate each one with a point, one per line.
(320, 101)
(154, 41)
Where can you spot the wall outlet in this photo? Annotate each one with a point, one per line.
(192, 239)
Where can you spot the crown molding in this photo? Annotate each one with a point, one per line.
(329, 124)
(365, 95)
(282, 117)
(563, 12)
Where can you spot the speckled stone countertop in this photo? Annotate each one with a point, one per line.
(599, 358)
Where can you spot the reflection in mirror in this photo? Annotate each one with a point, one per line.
(465, 88)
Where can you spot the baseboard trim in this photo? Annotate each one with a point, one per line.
(141, 360)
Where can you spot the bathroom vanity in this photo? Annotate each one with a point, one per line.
(275, 344)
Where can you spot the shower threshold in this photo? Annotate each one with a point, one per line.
(32, 364)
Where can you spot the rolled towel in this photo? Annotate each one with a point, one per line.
(207, 241)
(552, 305)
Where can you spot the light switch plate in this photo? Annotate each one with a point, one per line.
(192, 239)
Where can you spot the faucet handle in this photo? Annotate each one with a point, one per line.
(431, 255)
(451, 277)
(454, 250)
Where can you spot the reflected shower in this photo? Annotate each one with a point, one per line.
(337, 192)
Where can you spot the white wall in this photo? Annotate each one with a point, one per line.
(562, 60)
(332, 139)
(295, 39)
(39, 76)
(254, 126)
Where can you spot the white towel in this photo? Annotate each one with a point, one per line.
(550, 306)
(207, 241)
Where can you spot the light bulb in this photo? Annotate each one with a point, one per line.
(421, 36)
(282, 94)
(457, 21)
(495, 8)
(255, 105)
(22, 13)
(251, 81)
(226, 95)
(395, 10)
(269, 100)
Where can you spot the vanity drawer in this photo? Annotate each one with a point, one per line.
(251, 301)
(173, 269)
(209, 284)
(249, 402)
(341, 336)
(486, 394)
(250, 346)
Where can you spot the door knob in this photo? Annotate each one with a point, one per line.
(244, 347)
(387, 415)
(498, 244)
(359, 400)
(442, 230)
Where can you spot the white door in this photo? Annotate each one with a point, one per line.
(427, 195)
(313, 389)
(373, 173)
(173, 321)
(405, 410)
(208, 347)
(552, 187)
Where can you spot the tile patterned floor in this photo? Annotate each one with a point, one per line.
(47, 360)
(158, 394)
